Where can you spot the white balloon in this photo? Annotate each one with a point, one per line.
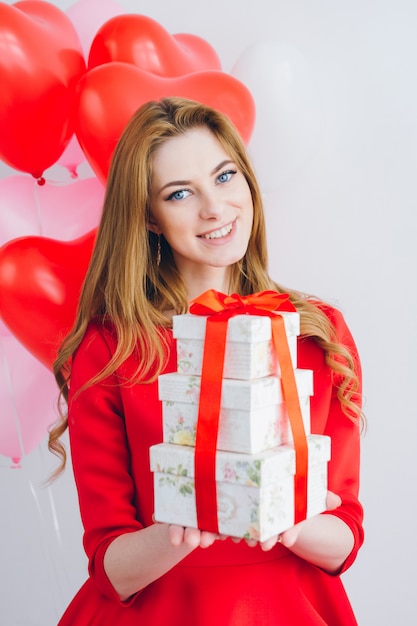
(289, 115)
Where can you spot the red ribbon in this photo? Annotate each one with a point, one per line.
(220, 308)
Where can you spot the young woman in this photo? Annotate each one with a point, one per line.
(183, 214)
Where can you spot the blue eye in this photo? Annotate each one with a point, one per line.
(178, 195)
(224, 177)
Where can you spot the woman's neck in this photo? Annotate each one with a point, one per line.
(194, 289)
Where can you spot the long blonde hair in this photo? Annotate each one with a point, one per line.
(125, 284)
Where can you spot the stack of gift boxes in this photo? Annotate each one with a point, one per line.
(255, 457)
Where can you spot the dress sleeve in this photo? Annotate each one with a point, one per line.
(100, 453)
(345, 432)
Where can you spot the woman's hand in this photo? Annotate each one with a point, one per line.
(324, 540)
(290, 536)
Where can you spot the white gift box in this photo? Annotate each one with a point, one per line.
(255, 493)
(253, 415)
(248, 352)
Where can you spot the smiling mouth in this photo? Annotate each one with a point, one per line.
(218, 234)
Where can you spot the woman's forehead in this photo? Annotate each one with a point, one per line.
(195, 150)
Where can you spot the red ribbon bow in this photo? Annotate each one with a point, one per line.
(211, 302)
(220, 308)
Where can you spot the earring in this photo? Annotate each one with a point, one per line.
(158, 251)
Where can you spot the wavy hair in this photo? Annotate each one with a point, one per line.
(125, 284)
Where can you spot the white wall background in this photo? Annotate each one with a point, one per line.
(341, 224)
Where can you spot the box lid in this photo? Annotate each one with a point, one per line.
(240, 328)
(253, 470)
(236, 394)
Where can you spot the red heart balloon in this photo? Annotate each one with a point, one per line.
(111, 93)
(143, 42)
(40, 282)
(41, 61)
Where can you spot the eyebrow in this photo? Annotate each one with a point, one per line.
(176, 183)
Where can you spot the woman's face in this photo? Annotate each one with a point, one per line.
(200, 202)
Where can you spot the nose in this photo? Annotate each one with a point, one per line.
(211, 206)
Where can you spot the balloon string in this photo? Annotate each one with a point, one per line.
(8, 376)
(55, 522)
(54, 183)
(54, 516)
(51, 503)
(46, 548)
(22, 467)
(38, 208)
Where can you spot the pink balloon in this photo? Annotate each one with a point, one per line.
(28, 398)
(88, 15)
(4, 331)
(62, 212)
(72, 157)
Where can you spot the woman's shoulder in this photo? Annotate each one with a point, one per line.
(333, 313)
(100, 342)
(100, 326)
(336, 317)
(100, 337)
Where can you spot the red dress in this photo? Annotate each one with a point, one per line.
(111, 428)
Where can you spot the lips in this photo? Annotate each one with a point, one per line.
(219, 233)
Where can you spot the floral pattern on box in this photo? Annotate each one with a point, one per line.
(171, 479)
(255, 493)
(240, 429)
(243, 510)
(178, 429)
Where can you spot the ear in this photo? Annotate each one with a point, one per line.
(153, 226)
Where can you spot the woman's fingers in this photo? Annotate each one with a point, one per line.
(192, 537)
(333, 501)
(176, 534)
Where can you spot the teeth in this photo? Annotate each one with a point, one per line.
(216, 234)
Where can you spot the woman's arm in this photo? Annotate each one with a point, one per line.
(124, 556)
(134, 560)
